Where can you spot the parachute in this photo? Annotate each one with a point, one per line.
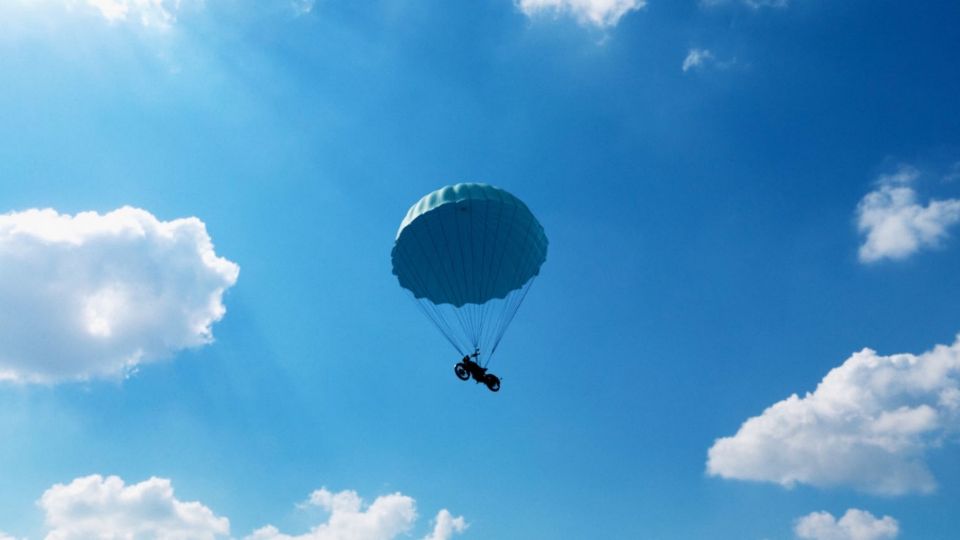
(469, 253)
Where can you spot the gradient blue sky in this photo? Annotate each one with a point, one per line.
(703, 259)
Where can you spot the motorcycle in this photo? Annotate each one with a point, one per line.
(467, 368)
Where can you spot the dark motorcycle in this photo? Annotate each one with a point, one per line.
(467, 368)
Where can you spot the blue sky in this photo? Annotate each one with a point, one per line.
(740, 197)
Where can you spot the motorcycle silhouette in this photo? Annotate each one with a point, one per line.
(467, 368)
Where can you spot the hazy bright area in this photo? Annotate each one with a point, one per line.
(745, 328)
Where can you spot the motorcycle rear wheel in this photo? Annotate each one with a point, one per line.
(492, 382)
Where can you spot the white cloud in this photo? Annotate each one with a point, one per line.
(697, 58)
(94, 296)
(158, 15)
(302, 7)
(854, 525)
(149, 13)
(602, 13)
(104, 508)
(895, 225)
(445, 526)
(867, 426)
(98, 508)
(388, 517)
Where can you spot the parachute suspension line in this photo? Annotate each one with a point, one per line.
(513, 304)
(498, 264)
(475, 311)
(447, 278)
(509, 313)
(477, 275)
(440, 322)
(454, 284)
(438, 276)
(468, 262)
(476, 272)
(487, 309)
(499, 327)
(432, 311)
(435, 315)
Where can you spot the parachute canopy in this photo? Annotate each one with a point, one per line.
(469, 253)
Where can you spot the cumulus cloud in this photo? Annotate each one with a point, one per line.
(388, 517)
(445, 526)
(854, 525)
(94, 296)
(98, 508)
(895, 225)
(105, 508)
(697, 58)
(867, 426)
(601, 13)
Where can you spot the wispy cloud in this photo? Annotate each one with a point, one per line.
(867, 426)
(98, 508)
(854, 525)
(302, 7)
(600, 13)
(895, 225)
(953, 174)
(149, 13)
(95, 295)
(697, 59)
(753, 4)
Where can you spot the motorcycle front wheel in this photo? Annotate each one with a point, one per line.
(492, 382)
(461, 371)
